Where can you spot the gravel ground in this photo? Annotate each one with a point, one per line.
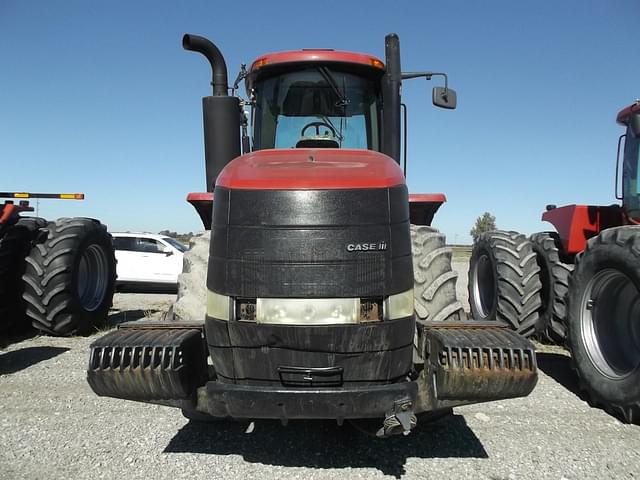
(52, 426)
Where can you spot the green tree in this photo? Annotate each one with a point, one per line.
(484, 223)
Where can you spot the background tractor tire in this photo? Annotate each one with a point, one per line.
(434, 287)
(554, 275)
(603, 322)
(15, 245)
(191, 304)
(504, 281)
(434, 290)
(70, 277)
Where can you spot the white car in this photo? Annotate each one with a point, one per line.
(147, 259)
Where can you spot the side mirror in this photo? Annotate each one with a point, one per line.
(168, 251)
(444, 97)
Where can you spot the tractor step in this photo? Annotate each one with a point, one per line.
(148, 364)
(479, 361)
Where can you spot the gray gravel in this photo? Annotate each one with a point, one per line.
(52, 426)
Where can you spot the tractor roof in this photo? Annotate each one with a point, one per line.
(315, 55)
(623, 115)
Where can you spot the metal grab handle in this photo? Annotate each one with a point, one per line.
(624, 135)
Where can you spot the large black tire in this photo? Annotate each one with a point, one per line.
(434, 284)
(434, 290)
(191, 304)
(554, 275)
(504, 281)
(15, 244)
(603, 322)
(70, 277)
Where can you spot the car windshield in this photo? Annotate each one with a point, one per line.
(317, 107)
(176, 244)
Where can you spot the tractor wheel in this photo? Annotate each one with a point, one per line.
(504, 281)
(555, 283)
(192, 282)
(434, 283)
(434, 288)
(603, 323)
(15, 244)
(70, 277)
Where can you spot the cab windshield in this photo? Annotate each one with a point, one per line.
(317, 107)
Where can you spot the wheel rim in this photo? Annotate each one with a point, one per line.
(483, 279)
(92, 278)
(610, 321)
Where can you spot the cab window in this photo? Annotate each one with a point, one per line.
(317, 107)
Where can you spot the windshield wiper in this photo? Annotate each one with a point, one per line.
(326, 74)
(326, 119)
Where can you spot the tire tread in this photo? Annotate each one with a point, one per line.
(518, 286)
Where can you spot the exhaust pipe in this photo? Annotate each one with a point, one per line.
(391, 83)
(196, 43)
(221, 113)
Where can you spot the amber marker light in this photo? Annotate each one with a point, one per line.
(261, 62)
(377, 63)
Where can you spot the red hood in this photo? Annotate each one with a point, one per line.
(311, 169)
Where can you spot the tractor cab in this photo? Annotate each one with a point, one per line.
(316, 99)
(630, 117)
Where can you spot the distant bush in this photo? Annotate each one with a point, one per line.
(484, 223)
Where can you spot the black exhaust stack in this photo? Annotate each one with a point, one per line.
(221, 113)
(391, 83)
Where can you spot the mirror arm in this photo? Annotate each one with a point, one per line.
(427, 75)
(242, 74)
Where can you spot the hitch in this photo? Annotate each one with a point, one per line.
(399, 420)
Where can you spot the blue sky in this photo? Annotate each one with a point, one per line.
(100, 98)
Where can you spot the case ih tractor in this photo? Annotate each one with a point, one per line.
(327, 295)
(579, 284)
(58, 276)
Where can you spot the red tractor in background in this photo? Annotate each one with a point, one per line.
(579, 285)
(57, 276)
(327, 295)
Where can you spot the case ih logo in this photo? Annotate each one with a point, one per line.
(366, 247)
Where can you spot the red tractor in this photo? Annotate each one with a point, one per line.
(327, 293)
(58, 276)
(579, 284)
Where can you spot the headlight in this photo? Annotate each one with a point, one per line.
(399, 306)
(303, 311)
(218, 306)
(311, 311)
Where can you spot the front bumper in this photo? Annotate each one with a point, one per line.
(165, 363)
(255, 402)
